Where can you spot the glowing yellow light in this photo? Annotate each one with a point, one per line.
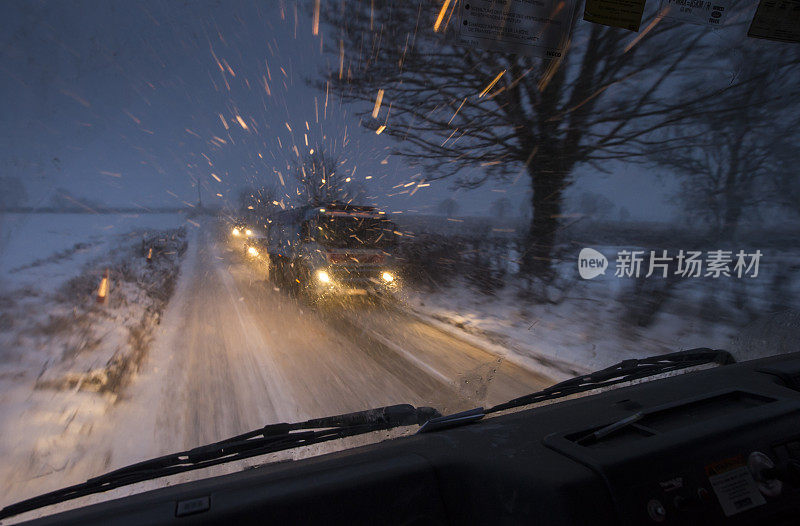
(102, 291)
(252, 251)
(236, 232)
(323, 276)
(248, 232)
(387, 277)
(380, 129)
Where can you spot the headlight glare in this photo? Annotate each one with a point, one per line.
(323, 276)
(387, 277)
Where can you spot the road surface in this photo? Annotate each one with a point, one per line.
(246, 354)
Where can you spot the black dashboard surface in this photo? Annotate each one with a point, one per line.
(718, 446)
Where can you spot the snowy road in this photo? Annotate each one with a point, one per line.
(242, 354)
(232, 354)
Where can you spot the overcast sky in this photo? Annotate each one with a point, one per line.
(130, 103)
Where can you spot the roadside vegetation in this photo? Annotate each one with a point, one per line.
(81, 343)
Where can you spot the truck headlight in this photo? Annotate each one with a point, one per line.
(323, 276)
(387, 277)
(236, 232)
(252, 251)
(248, 232)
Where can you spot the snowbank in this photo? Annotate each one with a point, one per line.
(593, 324)
(64, 358)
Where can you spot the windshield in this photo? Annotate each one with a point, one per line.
(540, 189)
(353, 232)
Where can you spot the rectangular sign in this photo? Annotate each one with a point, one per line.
(626, 14)
(702, 12)
(776, 20)
(734, 485)
(537, 28)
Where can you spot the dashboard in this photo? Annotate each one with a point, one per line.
(717, 446)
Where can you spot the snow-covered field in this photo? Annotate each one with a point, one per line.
(42, 250)
(464, 275)
(53, 264)
(593, 324)
(64, 358)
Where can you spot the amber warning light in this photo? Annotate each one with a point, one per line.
(102, 290)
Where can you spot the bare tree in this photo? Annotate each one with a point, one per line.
(595, 206)
(786, 183)
(246, 199)
(524, 210)
(257, 202)
(746, 158)
(320, 179)
(12, 193)
(353, 192)
(542, 117)
(448, 207)
(500, 207)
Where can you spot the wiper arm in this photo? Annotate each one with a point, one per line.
(624, 371)
(269, 439)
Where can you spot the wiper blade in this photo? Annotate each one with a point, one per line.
(624, 371)
(269, 439)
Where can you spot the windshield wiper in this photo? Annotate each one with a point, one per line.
(624, 371)
(269, 439)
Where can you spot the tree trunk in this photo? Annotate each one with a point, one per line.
(730, 222)
(548, 189)
(732, 191)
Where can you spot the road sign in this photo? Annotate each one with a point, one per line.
(538, 28)
(776, 20)
(701, 12)
(626, 14)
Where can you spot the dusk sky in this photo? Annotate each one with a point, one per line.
(134, 103)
